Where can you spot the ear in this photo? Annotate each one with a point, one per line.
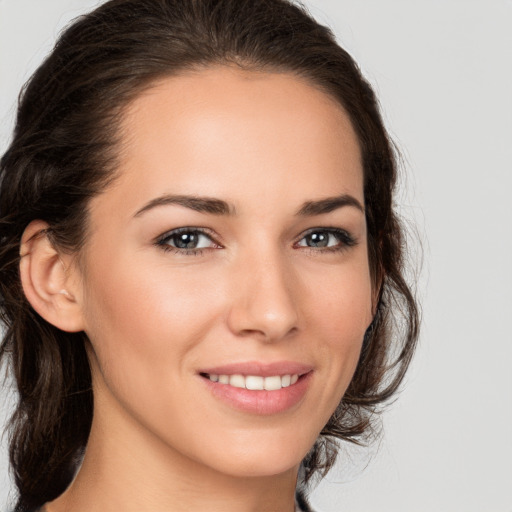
(50, 279)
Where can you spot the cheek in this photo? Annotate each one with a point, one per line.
(146, 327)
(340, 311)
(145, 320)
(340, 301)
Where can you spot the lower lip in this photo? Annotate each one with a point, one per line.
(260, 402)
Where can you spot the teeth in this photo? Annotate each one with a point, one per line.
(256, 382)
(286, 380)
(272, 383)
(237, 381)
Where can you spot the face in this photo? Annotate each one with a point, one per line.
(226, 287)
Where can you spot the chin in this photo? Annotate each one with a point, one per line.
(260, 458)
(257, 468)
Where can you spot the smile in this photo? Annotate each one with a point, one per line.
(259, 388)
(255, 382)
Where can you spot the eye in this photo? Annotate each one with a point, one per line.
(330, 239)
(187, 240)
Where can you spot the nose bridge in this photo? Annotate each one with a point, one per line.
(265, 302)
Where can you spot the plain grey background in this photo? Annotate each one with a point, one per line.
(443, 73)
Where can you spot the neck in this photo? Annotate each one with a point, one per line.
(127, 468)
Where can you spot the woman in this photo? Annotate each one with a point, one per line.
(200, 263)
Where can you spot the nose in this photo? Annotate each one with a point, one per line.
(264, 299)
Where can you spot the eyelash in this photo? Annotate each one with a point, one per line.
(163, 240)
(345, 240)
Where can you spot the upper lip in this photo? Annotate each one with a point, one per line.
(259, 368)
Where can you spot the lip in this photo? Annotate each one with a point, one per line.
(260, 402)
(259, 368)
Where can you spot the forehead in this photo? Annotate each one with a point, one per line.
(205, 132)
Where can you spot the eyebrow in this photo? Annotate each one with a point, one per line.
(209, 205)
(216, 206)
(327, 205)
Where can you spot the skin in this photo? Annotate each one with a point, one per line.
(265, 143)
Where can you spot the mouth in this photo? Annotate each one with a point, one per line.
(254, 382)
(259, 388)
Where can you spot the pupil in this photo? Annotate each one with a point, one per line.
(186, 240)
(318, 239)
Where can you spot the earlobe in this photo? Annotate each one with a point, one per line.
(48, 281)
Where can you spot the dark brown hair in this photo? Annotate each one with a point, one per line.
(64, 152)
